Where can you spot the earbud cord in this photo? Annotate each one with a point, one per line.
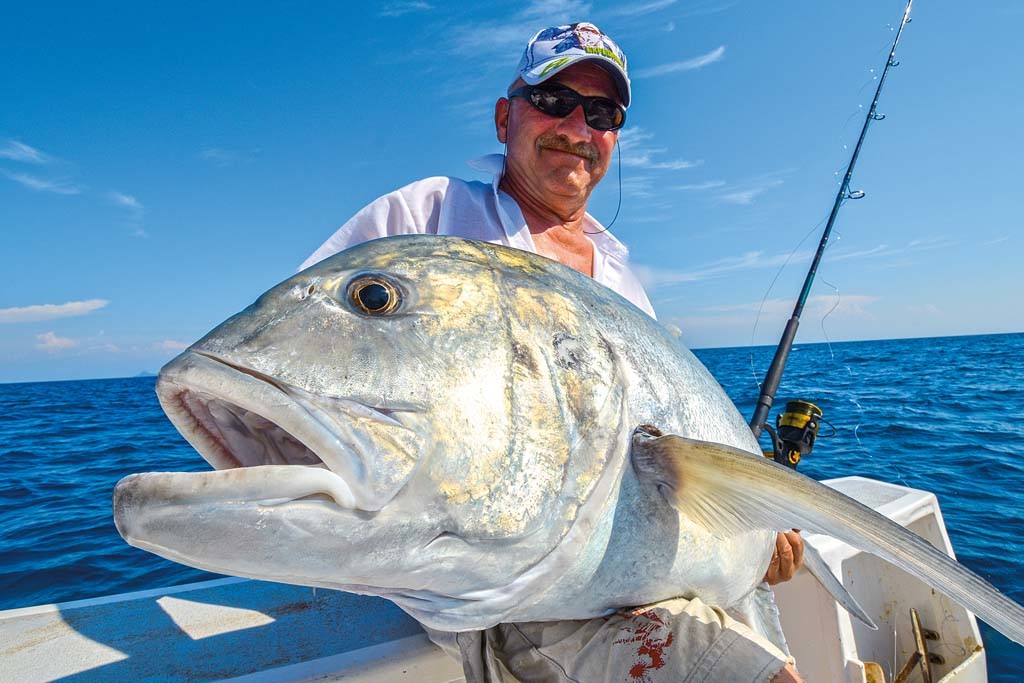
(618, 157)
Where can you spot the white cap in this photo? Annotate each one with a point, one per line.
(559, 47)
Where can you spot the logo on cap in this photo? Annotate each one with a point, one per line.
(555, 48)
(582, 36)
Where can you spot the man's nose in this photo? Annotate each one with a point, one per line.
(574, 126)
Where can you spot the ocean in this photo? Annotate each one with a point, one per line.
(943, 414)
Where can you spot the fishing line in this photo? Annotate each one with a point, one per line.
(851, 384)
(882, 49)
(774, 375)
(824, 332)
(859, 111)
(767, 293)
(844, 146)
(618, 156)
(849, 372)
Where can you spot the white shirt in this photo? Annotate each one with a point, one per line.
(475, 210)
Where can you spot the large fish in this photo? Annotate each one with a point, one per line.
(481, 435)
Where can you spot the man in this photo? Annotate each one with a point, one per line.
(559, 124)
(553, 164)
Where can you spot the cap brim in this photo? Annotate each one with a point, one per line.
(544, 71)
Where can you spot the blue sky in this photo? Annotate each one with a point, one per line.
(161, 166)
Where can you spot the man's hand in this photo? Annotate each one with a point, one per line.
(788, 674)
(788, 557)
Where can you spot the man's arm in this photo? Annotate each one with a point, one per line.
(408, 210)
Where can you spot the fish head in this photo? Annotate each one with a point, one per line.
(428, 419)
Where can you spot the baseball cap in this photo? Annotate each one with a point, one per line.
(556, 48)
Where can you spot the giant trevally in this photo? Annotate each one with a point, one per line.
(481, 435)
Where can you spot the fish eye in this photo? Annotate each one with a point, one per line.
(373, 295)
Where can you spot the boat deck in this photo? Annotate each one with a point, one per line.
(242, 630)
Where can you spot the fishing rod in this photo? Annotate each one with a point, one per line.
(806, 415)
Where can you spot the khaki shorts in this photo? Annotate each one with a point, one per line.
(675, 640)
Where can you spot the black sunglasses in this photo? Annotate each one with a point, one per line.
(560, 101)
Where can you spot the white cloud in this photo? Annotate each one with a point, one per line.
(663, 218)
(932, 242)
(996, 240)
(674, 165)
(27, 314)
(657, 277)
(746, 196)
(700, 187)
(134, 208)
(633, 137)
(743, 316)
(636, 153)
(885, 251)
(506, 39)
(698, 62)
(652, 277)
(833, 255)
(51, 343)
(742, 193)
(816, 306)
(43, 185)
(125, 200)
(638, 186)
(474, 108)
(704, 7)
(170, 345)
(637, 9)
(19, 151)
(688, 9)
(397, 9)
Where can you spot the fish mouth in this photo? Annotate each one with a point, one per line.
(238, 417)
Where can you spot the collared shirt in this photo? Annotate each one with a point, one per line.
(475, 210)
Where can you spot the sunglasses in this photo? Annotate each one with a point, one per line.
(560, 101)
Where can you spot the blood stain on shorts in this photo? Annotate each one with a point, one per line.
(652, 636)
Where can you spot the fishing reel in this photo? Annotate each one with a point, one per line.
(794, 432)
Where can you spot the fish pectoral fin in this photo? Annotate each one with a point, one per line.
(689, 475)
(726, 488)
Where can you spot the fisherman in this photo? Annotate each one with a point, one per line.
(559, 123)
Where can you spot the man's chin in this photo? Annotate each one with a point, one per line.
(571, 185)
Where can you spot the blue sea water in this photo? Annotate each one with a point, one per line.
(945, 415)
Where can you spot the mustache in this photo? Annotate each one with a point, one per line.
(562, 144)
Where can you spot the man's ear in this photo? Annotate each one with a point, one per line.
(501, 111)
